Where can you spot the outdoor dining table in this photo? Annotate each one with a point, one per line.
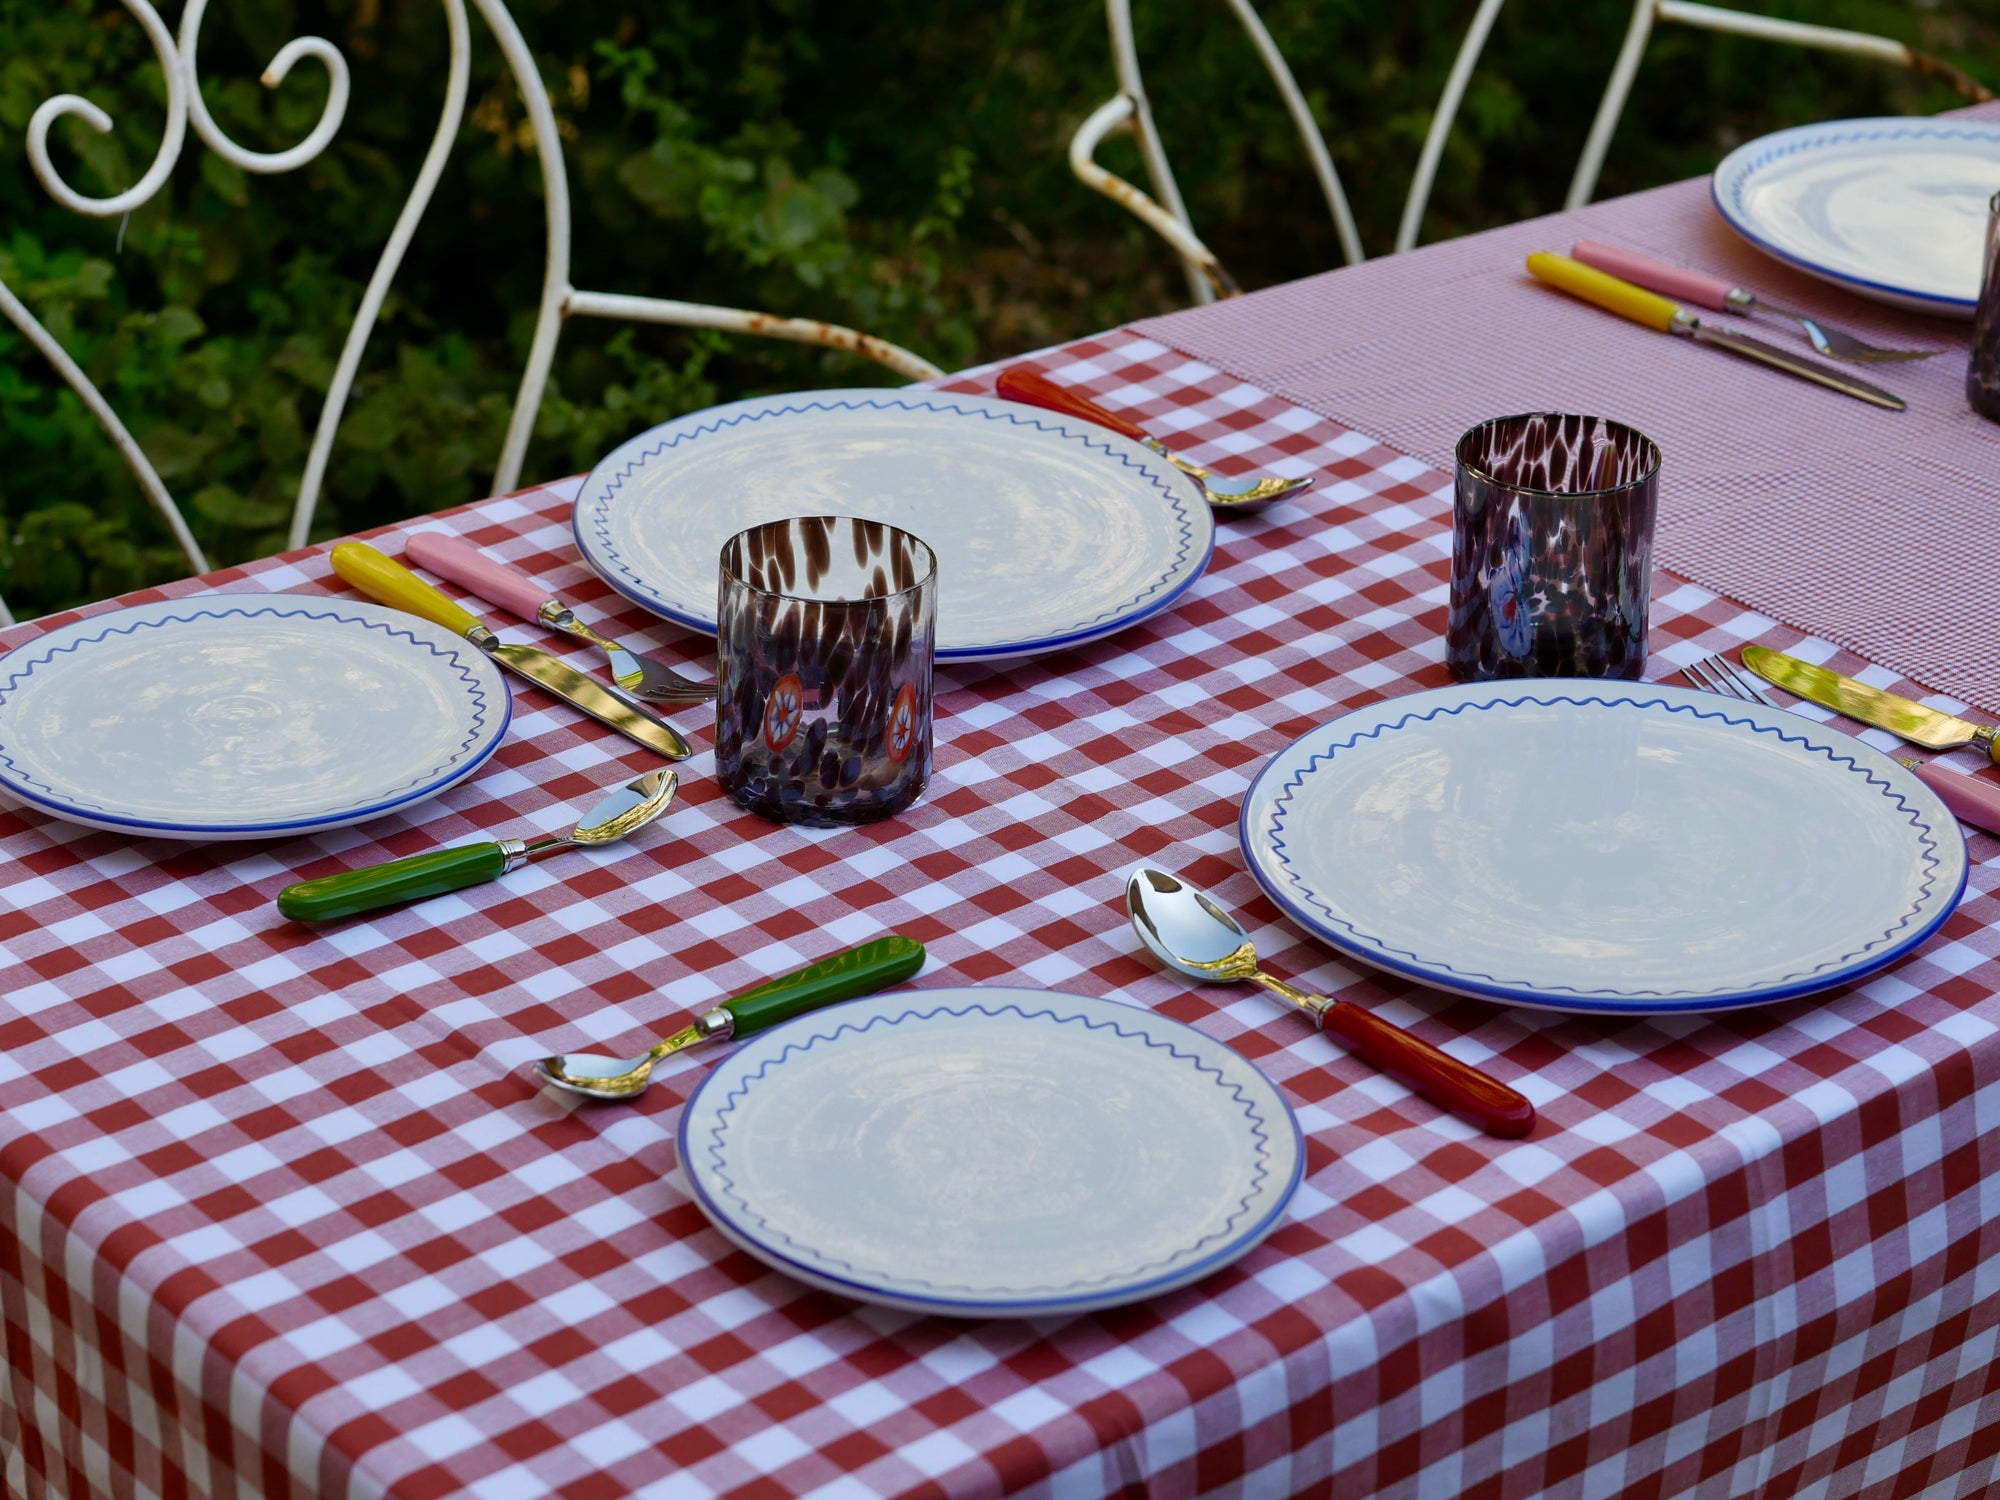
(283, 1210)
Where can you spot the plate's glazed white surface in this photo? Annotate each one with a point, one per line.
(1048, 532)
(1893, 209)
(1624, 848)
(990, 1152)
(235, 716)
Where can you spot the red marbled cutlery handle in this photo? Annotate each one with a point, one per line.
(1031, 388)
(1436, 1075)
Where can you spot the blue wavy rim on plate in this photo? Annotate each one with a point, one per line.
(1929, 911)
(491, 710)
(590, 514)
(704, 1168)
(1732, 175)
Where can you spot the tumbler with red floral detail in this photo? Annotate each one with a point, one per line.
(826, 628)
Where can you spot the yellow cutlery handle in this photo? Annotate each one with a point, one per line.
(1608, 292)
(387, 581)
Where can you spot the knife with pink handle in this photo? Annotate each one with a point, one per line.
(1712, 291)
(496, 583)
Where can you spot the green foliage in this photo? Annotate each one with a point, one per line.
(899, 168)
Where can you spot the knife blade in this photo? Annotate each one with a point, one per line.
(1902, 718)
(1657, 313)
(389, 582)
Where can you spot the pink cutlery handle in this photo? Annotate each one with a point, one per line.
(469, 568)
(1655, 275)
(1972, 798)
(1437, 1075)
(1033, 389)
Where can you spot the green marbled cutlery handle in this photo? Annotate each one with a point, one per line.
(430, 874)
(862, 970)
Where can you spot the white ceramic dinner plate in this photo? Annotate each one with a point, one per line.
(1893, 209)
(1049, 532)
(241, 716)
(990, 1152)
(1626, 848)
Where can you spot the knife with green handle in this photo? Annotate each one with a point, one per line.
(862, 970)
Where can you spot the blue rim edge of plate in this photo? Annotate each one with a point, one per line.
(289, 827)
(1711, 706)
(1240, 1244)
(1971, 129)
(999, 651)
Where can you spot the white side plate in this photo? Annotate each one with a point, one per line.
(1627, 848)
(990, 1152)
(1892, 209)
(241, 716)
(1049, 532)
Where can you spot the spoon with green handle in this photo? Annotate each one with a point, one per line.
(873, 966)
(330, 897)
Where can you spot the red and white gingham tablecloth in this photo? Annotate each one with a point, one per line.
(282, 1212)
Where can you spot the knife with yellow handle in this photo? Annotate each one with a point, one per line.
(1656, 312)
(1974, 799)
(387, 581)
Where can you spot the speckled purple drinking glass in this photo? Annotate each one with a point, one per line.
(1552, 549)
(825, 630)
(1982, 371)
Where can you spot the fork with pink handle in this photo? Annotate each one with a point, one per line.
(496, 583)
(1713, 291)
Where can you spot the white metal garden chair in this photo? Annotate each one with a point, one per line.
(559, 301)
(1164, 212)
(1645, 14)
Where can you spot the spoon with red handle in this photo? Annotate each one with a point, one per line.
(1031, 388)
(1195, 937)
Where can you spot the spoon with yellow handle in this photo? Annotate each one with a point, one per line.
(1656, 312)
(872, 966)
(331, 897)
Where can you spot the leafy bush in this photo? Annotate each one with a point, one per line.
(893, 167)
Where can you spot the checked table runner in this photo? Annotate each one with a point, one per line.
(283, 1213)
